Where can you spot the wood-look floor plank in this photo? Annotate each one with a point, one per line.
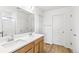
(53, 48)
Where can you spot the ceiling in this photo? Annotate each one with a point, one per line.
(46, 8)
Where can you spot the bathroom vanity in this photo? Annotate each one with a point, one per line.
(33, 47)
(24, 43)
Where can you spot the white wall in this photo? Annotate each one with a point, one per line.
(37, 14)
(49, 23)
(76, 29)
(0, 27)
(41, 24)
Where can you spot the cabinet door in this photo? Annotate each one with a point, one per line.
(37, 45)
(37, 48)
(41, 46)
(30, 51)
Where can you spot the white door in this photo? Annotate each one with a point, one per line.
(58, 29)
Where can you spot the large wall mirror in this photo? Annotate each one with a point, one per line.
(14, 20)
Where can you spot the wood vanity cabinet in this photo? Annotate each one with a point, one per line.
(33, 47)
(39, 44)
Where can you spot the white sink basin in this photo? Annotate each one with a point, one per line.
(13, 43)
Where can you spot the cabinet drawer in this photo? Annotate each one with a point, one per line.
(41, 47)
(30, 51)
(26, 48)
(37, 48)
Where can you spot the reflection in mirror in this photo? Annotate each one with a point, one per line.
(14, 20)
(7, 14)
(25, 21)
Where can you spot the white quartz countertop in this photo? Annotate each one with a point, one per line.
(24, 41)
